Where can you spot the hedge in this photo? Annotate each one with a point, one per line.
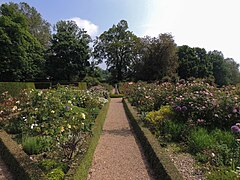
(17, 160)
(79, 170)
(43, 85)
(82, 85)
(117, 95)
(14, 88)
(159, 161)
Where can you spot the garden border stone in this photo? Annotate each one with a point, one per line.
(158, 160)
(18, 162)
(80, 168)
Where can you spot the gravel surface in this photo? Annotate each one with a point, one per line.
(186, 165)
(4, 173)
(118, 156)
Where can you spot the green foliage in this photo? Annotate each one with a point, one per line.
(193, 101)
(15, 88)
(56, 174)
(69, 53)
(43, 85)
(158, 58)
(19, 163)
(21, 53)
(91, 81)
(222, 173)
(48, 165)
(174, 131)
(200, 140)
(193, 62)
(35, 145)
(80, 169)
(156, 118)
(82, 85)
(117, 47)
(117, 95)
(38, 27)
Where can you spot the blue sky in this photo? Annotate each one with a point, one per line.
(210, 24)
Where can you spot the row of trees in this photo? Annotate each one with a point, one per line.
(29, 52)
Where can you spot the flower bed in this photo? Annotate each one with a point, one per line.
(195, 115)
(52, 126)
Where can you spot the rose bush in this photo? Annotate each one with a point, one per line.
(196, 101)
(64, 116)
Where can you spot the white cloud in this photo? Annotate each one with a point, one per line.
(91, 28)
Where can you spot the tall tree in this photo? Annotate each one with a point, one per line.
(225, 71)
(69, 54)
(38, 26)
(21, 55)
(116, 47)
(157, 58)
(193, 62)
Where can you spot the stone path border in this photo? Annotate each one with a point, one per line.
(118, 156)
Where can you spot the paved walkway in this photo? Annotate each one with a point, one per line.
(118, 155)
(4, 173)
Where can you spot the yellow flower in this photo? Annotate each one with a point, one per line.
(69, 126)
(14, 108)
(62, 129)
(83, 115)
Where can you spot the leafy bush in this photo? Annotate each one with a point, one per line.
(174, 131)
(56, 174)
(82, 85)
(91, 81)
(35, 145)
(43, 85)
(48, 165)
(15, 88)
(196, 101)
(222, 173)
(157, 117)
(200, 140)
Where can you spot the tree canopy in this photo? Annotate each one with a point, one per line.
(69, 53)
(116, 48)
(157, 58)
(21, 54)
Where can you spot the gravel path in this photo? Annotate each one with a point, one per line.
(4, 173)
(118, 156)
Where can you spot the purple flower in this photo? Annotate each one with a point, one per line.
(235, 129)
(177, 108)
(235, 110)
(200, 120)
(184, 108)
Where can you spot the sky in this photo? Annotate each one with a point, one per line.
(209, 24)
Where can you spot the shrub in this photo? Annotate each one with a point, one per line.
(173, 131)
(91, 81)
(48, 165)
(82, 85)
(35, 145)
(56, 174)
(43, 85)
(157, 117)
(200, 140)
(224, 137)
(15, 88)
(222, 173)
(13, 126)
